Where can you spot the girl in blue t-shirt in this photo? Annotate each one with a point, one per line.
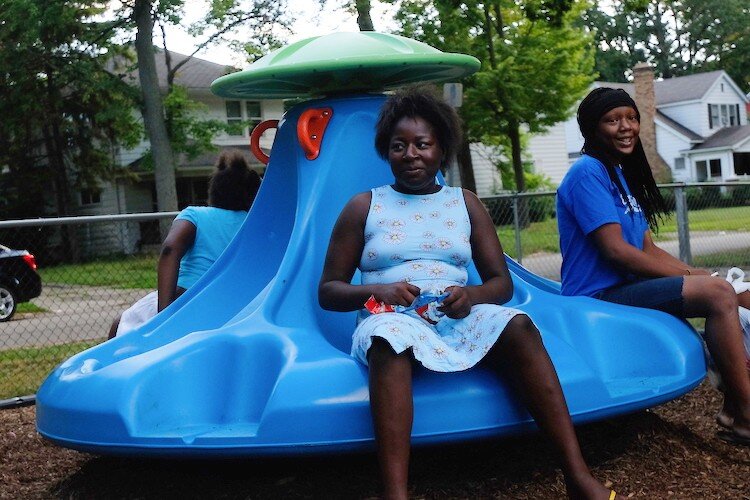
(607, 206)
(196, 239)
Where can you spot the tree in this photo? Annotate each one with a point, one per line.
(364, 20)
(676, 37)
(61, 108)
(535, 64)
(172, 126)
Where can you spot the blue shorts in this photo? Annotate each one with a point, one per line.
(662, 294)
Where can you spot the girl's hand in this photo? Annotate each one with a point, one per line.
(458, 304)
(397, 294)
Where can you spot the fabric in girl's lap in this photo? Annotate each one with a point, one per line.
(450, 345)
(424, 240)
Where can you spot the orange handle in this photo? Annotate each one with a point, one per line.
(311, 126)
(255, 139)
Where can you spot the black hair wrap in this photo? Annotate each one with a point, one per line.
(598, 103)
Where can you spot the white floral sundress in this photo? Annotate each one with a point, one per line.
(425, 240)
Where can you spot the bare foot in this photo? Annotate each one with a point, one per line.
(586, 488)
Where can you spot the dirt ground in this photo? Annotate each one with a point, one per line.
(667, 452)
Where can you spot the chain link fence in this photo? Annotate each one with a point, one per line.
(709, 226)
(92, 268)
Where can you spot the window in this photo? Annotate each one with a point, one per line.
(234, 116)
(742, 163)
(90, 197)
(713, 115)
(733, 118)
(700, 170)
(253, 114)
(715, 167)
(679, 163)
(239, 115)
(707, 170)
(723, 115)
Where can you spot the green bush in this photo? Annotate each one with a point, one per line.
(541, 208)
(740, 195)
(501, 210)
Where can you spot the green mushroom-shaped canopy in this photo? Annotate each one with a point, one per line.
(343, 62)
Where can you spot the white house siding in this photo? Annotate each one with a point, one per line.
(103, 238)
(486, 175)
(669, 146)
(549, 153)
(573, 137)
(692, 115)
(743, 147)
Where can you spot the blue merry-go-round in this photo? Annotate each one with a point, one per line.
(246, 363)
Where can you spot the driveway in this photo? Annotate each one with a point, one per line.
(74, 313)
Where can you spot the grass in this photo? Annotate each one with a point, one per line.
(23, 370)
(118, 272)
(29, 307)
(543, 236)
(712, 219)
(538, 237)
(738, 258)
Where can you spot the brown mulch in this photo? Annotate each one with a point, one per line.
(667, 452)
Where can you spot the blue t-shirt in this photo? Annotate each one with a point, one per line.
(214, 229)
(586, 200)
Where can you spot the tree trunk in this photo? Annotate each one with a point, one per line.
(153, 111)
(515, 144)
(465, 167)
(54, 145)
(364, 21)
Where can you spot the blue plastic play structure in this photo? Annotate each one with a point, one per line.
(246, 363)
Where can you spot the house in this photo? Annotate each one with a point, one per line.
(130, 194)
(694, 128)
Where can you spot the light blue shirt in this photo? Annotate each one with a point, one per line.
(214, 229)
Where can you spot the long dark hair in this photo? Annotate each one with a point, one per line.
(233, 184)
(420, 100)
(635, 167)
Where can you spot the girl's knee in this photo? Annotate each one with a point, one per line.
(522, 329)
(710, 296)
(723, 296)
(381, 352)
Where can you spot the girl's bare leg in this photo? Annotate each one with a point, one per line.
(392, 413)
(530, 369)
(716, 300)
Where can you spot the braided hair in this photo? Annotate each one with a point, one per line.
(635, 167)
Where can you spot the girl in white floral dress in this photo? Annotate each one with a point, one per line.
(416, 236)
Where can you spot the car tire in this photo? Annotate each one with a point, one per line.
(8, 303)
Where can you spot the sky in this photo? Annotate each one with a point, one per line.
(311, 21)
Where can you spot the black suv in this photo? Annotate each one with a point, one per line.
(19, 281)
